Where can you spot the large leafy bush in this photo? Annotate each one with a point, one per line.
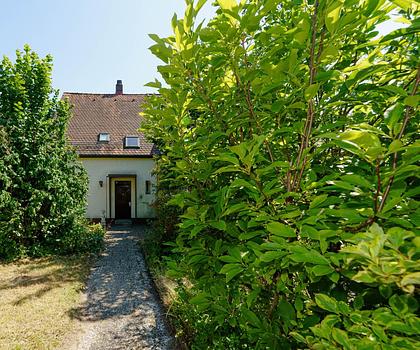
(42, 185)
(288, 137)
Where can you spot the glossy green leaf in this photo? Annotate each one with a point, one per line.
(301, 254)
(227, 4)
(318, 200)
(311, 91)
(326, 303)
(272, 255)
(286, 310)
(412, 101)
(281, 230)
(199, 299)
(231, 271)
(341, 338)
(332, 15)
(321, 270)
(251, 317)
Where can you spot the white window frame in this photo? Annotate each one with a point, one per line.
(103, 134)
(126, 145)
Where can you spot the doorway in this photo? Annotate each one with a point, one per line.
(123, 199)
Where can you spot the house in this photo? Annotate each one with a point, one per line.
(117, 157)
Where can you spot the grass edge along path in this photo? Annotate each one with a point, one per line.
(166, 289)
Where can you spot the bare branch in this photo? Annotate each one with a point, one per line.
(404, 125)
(311, 109)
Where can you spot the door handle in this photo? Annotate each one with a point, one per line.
(129, 204)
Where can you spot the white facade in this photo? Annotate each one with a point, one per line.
(103, 174)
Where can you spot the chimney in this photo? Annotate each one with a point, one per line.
(119, 88)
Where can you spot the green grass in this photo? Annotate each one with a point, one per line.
(37, 300)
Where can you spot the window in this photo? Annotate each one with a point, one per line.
(103, 137)
(148, 187)
(131, 142)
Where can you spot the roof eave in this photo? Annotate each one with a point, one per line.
(90, 155)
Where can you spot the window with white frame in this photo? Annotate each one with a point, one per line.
(131, 142)
(103, 137)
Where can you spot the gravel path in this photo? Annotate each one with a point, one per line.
(121, 310)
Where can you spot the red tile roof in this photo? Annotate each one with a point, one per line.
(117, 115)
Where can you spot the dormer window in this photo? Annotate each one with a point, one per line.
(103, 137)
(131, 142)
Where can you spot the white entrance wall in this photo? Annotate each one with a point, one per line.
(100, 198)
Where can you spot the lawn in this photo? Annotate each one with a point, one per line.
(37, 300)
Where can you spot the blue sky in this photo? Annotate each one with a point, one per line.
(93, 42)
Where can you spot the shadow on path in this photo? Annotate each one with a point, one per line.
(121, 310)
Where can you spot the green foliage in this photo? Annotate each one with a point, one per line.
(288, 138)
(163, 229)
(42, 185)
(87, 238)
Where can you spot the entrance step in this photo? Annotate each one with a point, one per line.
(123, 222)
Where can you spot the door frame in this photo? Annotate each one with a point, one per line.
(133, 180)
(123, 202)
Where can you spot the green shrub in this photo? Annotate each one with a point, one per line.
(288, 134)
(163, 228)
(9, 206)
(43, 187)
(84, 239)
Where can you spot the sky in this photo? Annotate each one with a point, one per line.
(94, 42)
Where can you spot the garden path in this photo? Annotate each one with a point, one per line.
(121, 309)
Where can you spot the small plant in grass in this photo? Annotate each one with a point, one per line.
(288, 133)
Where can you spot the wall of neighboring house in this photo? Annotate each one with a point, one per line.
(101, 200)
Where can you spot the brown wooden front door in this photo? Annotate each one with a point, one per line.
(123, 199)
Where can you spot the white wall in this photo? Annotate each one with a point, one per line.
(98, 169)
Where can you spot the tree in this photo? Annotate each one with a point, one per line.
(42, 185)
(287, 132)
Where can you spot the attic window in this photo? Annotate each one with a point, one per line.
(103, 137)
(131, 142)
